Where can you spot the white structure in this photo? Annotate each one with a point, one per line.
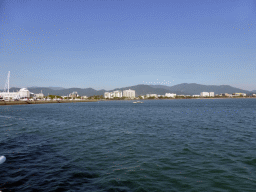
(152, 95)
(239, 94)
(170, 95)
(22, 93)
(117, 94)
(195, 95)
(207, 94)
(74, 94)
(39, 95)
(129, 93)
(113, 94)
(204, 94)
(107, 95)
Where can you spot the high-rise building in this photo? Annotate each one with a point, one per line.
(204, 94)
(117, 93)
(107, 95)
(129, 93)
(113, 94)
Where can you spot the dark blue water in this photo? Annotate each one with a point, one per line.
(170, 145)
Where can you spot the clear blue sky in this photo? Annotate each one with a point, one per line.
(107, 44)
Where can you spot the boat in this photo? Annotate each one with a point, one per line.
(137, 102)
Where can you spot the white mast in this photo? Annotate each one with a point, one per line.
(8, 80)
(7, 85)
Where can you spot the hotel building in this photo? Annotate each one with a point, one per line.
(129, 93)
(113, 94)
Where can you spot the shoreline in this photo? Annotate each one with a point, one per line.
(40, 102)
(79, 101)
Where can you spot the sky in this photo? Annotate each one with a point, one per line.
(107, 44)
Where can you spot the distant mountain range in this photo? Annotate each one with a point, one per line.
(196, 89)
(184, 88)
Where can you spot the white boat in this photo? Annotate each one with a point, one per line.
(137, 102)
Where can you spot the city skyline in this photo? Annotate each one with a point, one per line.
(110, 44)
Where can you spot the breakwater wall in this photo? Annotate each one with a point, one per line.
(41, 102)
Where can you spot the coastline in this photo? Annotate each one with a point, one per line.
(176, 99)
(41, 102)
(78, 101)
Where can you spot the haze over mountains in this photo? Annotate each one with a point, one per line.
(184, 88)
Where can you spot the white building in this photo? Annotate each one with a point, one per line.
(74, 94)
(39, 95)
(195, 95)
(152, 95)
(129, 93)
(113, 94)
(204, 94)
(117, 93)
(22, 93)
(107, 95)
(239, 94)
(170, 95)
(207, 94)
(211, 94)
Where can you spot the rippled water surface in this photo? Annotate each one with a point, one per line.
(169, 145)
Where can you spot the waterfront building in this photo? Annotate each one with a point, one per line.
(117, 93)
(129, 93)
(107, 95)
(22, 93)
(170, 95)
(254, 95)
(211, 94)
(74, 94)
(226, 95)
(7, 95)
(113, 94)
(204, 94)
(39, 95)
(152, 95)
(195, 95)
(239, 94)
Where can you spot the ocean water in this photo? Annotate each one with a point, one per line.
(159, 145)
